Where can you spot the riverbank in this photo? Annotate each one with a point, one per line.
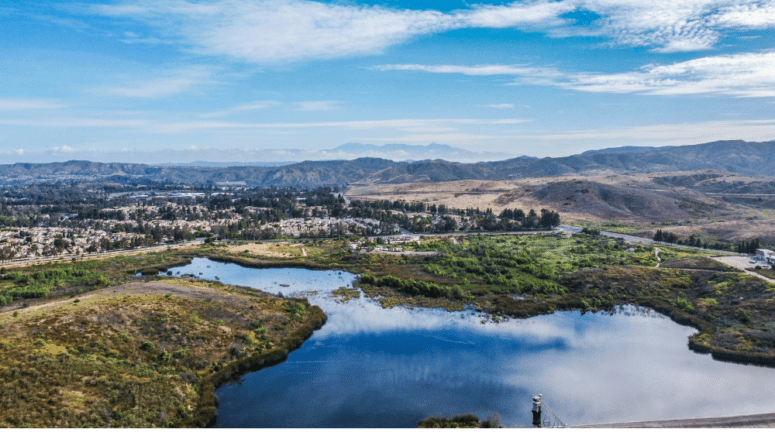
(521, 277)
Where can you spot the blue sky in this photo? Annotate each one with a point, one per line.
(286, 80)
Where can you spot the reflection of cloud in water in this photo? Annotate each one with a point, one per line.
(412, 363)
(367, 316)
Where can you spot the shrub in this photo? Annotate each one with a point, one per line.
(683, 304)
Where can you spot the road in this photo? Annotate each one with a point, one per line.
(630, 238)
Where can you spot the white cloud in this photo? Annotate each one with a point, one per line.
(256, 105)
(277, 31)
(63, 149)
(19, 151)
(167, 83)
(478, 70)
(500, 106)
(280, 31)
(671, 134)
(27, 104)
(738, 75)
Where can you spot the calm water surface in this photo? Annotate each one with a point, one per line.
(374, 367)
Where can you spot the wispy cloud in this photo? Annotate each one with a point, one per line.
(256, 105)
(397, 124)
(672, 134)
(500, 106)
(200, 125)
(77, 122)
(276, 31)
(165, 84)
(27, 104)
(738, 75)
(322, 105)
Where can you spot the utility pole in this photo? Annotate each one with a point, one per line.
(537, 411)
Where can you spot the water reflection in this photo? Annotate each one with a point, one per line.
(374, 367)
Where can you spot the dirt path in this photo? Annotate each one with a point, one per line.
(656, 254)
(741, 263)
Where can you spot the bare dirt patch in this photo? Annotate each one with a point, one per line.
(275, 250)
(743, 263)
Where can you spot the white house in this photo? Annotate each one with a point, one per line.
(765, 254)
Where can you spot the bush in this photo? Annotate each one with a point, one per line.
(683, 304)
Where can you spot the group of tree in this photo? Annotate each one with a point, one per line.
(692, 241)
(747, 247)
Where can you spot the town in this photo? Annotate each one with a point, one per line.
(50, 221)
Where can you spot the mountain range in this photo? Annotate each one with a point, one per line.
(741, 157)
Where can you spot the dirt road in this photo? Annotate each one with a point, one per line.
(743, 262)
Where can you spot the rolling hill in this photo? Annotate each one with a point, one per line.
(739, 157)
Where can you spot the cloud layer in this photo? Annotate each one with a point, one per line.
(278, 31)
(738, 75)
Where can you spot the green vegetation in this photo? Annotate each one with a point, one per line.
(766, 272)
(76, 277)
(346, 294)
(39, 282)
(460, 421)
(705, 263)
(540, 256)
(692, 241)
(407, 286)
(140, 357)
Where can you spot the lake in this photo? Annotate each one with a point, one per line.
(374, 367)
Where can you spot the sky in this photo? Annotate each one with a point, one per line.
(290, 80)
